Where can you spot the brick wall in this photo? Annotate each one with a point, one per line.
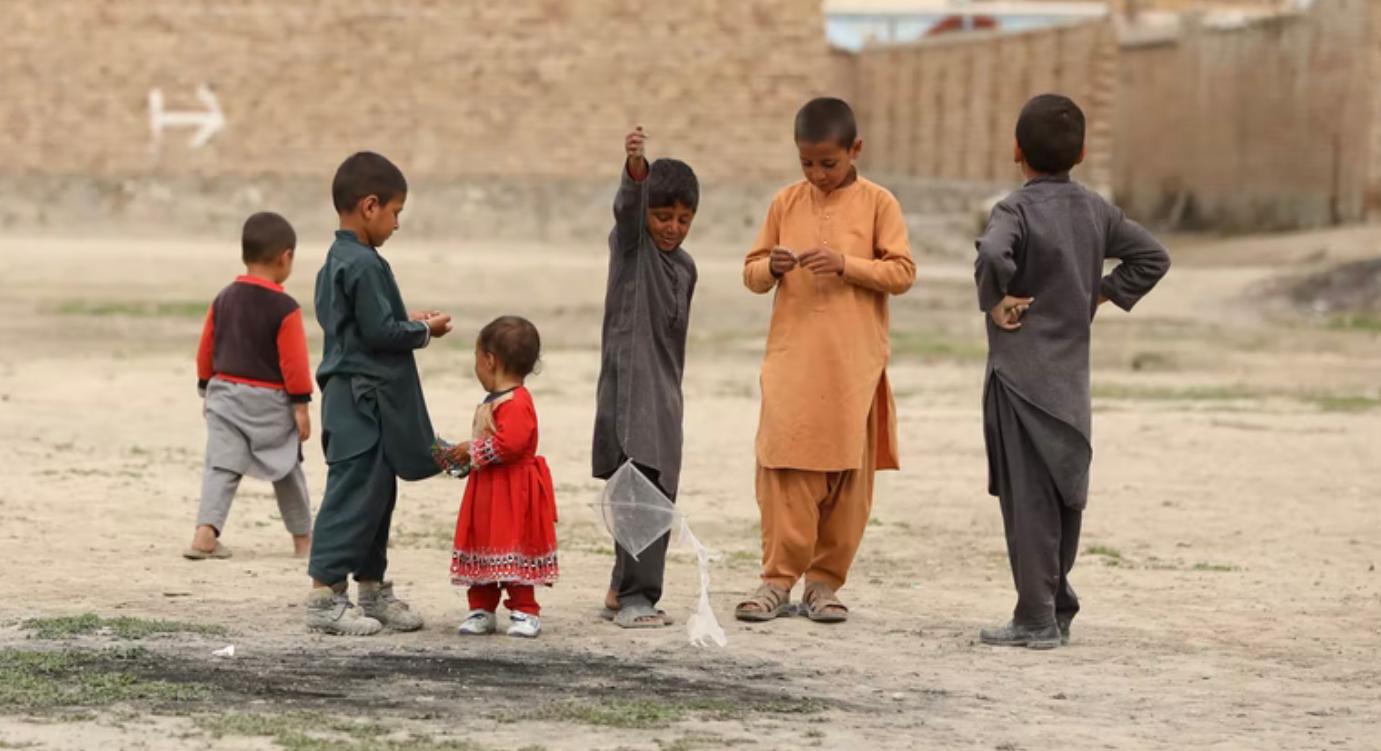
(1269, 126)
(946, 108)
(490, 96)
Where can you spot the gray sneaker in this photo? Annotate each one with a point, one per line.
(327, 612)
(1013, 635)
(377, 602)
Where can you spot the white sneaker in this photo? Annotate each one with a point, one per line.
(479, 623)
(524, 626)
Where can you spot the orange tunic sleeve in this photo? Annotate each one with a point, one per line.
(757, 269)
(891, 270)
(292, 357)
(206, 349)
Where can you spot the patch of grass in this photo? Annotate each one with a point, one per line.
(793, 707)
(730, 337)
(1343, 403)
(1356, 322)
(121, 628)
(935, 344)
(1222, 567)
(634, 714)
(1234, 392)
(875, 522)
(1326, 402)
(193, 309)
(1103, 550)
(70, 678)
(639, 714)
(1240, 425)
(436, 538)
(1153, 361)
(315, 731)
(697, 740)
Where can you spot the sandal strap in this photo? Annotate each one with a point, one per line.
(818, 596)
(768, 597)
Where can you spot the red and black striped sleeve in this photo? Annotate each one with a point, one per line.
(206, 350)
(292, 357)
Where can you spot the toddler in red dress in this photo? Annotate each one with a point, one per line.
(506, 533)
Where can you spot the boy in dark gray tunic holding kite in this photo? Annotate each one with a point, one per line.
(1040, 280)
(643, 356)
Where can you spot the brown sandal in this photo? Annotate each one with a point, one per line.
(821, 604)
(767, 603)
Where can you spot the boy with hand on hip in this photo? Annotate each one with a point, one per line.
(1040, 280)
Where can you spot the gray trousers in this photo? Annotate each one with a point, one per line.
(1042, 530)
(218, 488)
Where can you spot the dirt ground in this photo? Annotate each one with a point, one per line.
(1229, 568)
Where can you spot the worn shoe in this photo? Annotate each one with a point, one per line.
(1064, 633)
(1013, 635)
(524, 626)
(377, 602)
(479, 623)
(327, 612)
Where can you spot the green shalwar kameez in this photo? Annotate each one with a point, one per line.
(375, 427)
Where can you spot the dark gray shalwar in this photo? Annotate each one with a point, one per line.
(374, 423)
(1049, 241)
(643, 358)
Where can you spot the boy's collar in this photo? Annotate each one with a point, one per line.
(345, 234)
(266, 284)
(1062, 177)
(849, 182)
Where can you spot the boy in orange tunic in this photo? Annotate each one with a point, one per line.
(834, 248)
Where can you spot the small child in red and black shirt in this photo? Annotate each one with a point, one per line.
(253, 374)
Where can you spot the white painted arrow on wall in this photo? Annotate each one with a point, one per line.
(208, 122)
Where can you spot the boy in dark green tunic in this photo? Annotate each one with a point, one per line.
(1040, 278)
(375, 427)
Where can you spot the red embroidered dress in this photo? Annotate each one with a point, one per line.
(506, 533)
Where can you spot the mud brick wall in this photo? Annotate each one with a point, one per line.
(946, 108)
(1273, 125)
(512, 98)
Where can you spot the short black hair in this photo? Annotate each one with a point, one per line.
(827, 119)
(1050, 133)
(363, 175)
(515, 342)
(264, 236)
(670, 182)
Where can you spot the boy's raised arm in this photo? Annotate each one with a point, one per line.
(380, 329)
(892, 269)
(996, 263)
(630, 205)
(1143, 262)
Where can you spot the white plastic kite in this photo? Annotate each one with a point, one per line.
(637, 514)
